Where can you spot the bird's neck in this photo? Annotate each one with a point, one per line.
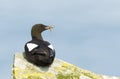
(37, 36)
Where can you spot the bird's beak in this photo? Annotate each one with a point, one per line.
(49, 27)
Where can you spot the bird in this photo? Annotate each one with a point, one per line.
(38, 51)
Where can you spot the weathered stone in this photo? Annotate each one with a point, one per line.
(22, 69)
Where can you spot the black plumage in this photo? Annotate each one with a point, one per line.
(38, 51)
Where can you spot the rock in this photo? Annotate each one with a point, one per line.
(22, 69)
(108, 77)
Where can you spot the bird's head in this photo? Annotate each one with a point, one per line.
(40, 28)
(37, 29)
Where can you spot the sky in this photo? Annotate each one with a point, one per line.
(86, 32)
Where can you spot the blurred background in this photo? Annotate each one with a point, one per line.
(86, 32)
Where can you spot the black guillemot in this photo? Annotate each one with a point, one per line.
(38, 51)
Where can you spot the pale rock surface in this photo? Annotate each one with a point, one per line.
(22, 69)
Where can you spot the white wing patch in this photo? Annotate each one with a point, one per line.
(51, 47)
(31, 46)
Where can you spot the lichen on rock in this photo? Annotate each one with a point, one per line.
(22, 69)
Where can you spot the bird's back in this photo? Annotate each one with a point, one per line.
(39, 52)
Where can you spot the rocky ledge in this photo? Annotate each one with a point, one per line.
(22, 69)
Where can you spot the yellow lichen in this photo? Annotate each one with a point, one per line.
(49, 74)
(58, 70)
